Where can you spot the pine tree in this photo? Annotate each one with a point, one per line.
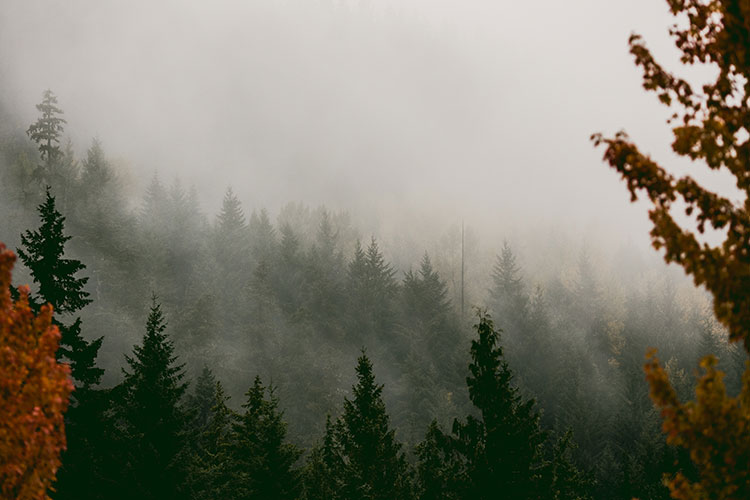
(324, 283)
(45, 132)
(371, 289)
(503, 446)
(262, 236)
(440, 468)
(508, 299)
(209, 461)
(42, 252)
(262, 462)
(151, 417)
(323, 474)
(47, 129)
(499, 450)
(375, 467)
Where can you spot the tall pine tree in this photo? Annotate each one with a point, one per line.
(151, 417)
(262, 462)
(375, 467)
(42, 252)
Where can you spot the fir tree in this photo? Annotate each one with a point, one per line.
(209, 463)
(375, 467)
(45, 132)
(262, 462)
(151, 417)
(323, 474)
(47, 129)
(501, 448)
(43, 253)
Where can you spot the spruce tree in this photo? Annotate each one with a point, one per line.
(45, 132)
(375, 467)
(323, 474)
(47, 129)
(503, 445)
(209, 461)
(500, 449)
(371, 289)
(42, 252)
(262, 462)
(151, 417)
(508, 300)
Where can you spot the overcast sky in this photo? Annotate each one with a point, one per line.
(417, 108)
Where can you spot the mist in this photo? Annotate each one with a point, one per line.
(336, 194)
(424, 110)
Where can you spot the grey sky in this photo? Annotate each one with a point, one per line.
(439, 108)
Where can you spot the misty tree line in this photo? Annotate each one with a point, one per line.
(265, 322)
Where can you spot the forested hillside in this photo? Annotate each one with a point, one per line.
(245, 354)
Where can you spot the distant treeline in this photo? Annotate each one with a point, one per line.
(251, 324)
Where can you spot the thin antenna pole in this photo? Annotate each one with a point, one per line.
(462, 269)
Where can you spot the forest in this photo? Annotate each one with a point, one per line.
(251, 353)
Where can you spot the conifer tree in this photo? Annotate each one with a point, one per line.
(45, 132)
(323, 474)
(375, 467)
(47, 129)
(43, 253)
(262, 236)
(209, 462)
(508, 300)
(151, 416)
(371, 288)
(501, 449)
(262, 462)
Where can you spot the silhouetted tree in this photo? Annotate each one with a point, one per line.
(262, 462)
(151, 416)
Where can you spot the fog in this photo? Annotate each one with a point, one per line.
(421, 111)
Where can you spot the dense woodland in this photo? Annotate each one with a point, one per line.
(238, 356)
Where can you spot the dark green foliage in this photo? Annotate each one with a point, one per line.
(262, 462)
(209, 457)
(323, 475)
(441, 469)
(43, 251)
(375, 467)
(151, 416)
(502, 448)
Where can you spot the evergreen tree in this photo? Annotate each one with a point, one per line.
(375, 467)
(323, 474)
(43, 253)
(507, 293)
(45, 132)
(151, 417)
(500, 449)
(262, 236)
(47, 129)
(209, 462)
(262, 462)
(508, 300)
(441, 469)
(324, 283)
(371, 289)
